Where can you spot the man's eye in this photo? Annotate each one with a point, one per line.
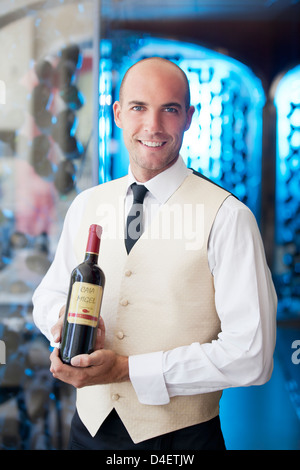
(137, 108)
(171, 110)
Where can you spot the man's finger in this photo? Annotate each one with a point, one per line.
(56, 330)
(87, 360)
(62, 371)
(56, 363)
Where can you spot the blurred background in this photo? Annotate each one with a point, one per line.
(61, 63)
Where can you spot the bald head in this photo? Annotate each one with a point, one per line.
(145, 65)
(153, 113)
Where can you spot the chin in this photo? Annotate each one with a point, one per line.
(156, 163)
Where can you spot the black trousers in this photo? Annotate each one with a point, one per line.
(113, 435)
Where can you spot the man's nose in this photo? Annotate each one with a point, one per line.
(153, 122)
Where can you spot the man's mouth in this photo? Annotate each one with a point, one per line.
(151, 143)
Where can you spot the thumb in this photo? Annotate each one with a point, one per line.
(86, 360)
(82, 360)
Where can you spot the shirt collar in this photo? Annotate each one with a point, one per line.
(163, 185)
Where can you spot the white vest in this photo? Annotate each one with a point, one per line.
(158, 297)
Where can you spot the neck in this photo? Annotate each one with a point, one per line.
(145, 174)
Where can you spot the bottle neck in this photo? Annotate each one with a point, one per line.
(93, 246)
(91, 257)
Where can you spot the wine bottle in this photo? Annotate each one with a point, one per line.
(83, 302)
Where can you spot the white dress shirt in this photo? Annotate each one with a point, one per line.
(244, 296)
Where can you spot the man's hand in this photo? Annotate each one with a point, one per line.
(100, 367)
(56, 330)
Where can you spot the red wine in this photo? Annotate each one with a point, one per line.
(83, 302)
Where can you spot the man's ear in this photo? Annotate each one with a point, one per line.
(190, 113)
(117, 113)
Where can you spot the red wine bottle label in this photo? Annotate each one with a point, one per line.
(85, 304)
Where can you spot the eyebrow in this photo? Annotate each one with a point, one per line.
(165, 105)
(137, 103)
(172, 105)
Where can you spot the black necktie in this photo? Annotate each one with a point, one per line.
(135, 216)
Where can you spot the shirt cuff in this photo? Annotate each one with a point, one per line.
(146, 375)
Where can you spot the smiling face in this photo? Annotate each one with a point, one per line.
(153, 114)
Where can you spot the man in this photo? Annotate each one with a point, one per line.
(188, 312)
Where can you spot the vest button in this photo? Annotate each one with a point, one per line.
(124, 302)
(120, 335)
(115, 397)
(128, 273)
